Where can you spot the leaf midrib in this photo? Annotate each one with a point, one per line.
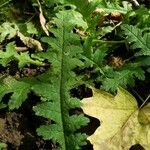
(62, 85)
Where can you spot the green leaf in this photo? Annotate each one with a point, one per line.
(137, 39)
(18, 89)
(8, 31)
(99, 54)
(85, 7)
(2, 105)
(119, 126)
(64, 52)
(78, 20)
(8, 55)
(122, 78)
(23, 58)
(2, 146)
(141, 17)
(110, 7)
(31, 28)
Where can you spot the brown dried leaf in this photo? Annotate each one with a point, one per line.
(30, 42)
(42, 19)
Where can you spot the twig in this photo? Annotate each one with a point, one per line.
(1, 46)
(21, 49)
(18, 49)
(145, 101)
(113, 28)
(5, 3)
(30, 18)
(29, 13)
(135, 2)
(138, 95)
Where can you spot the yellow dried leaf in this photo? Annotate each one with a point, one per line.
(144, 114)
(118, 115)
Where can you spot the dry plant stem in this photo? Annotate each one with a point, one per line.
(145, 101)
(21, 49)
(138, 95)
(31, 18)
(5, 3)
(18, 49)
(113, 28)
(111, 42)
(29, 13)
(135, 2)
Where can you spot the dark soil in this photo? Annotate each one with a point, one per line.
(9, 129)
(18, 128)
